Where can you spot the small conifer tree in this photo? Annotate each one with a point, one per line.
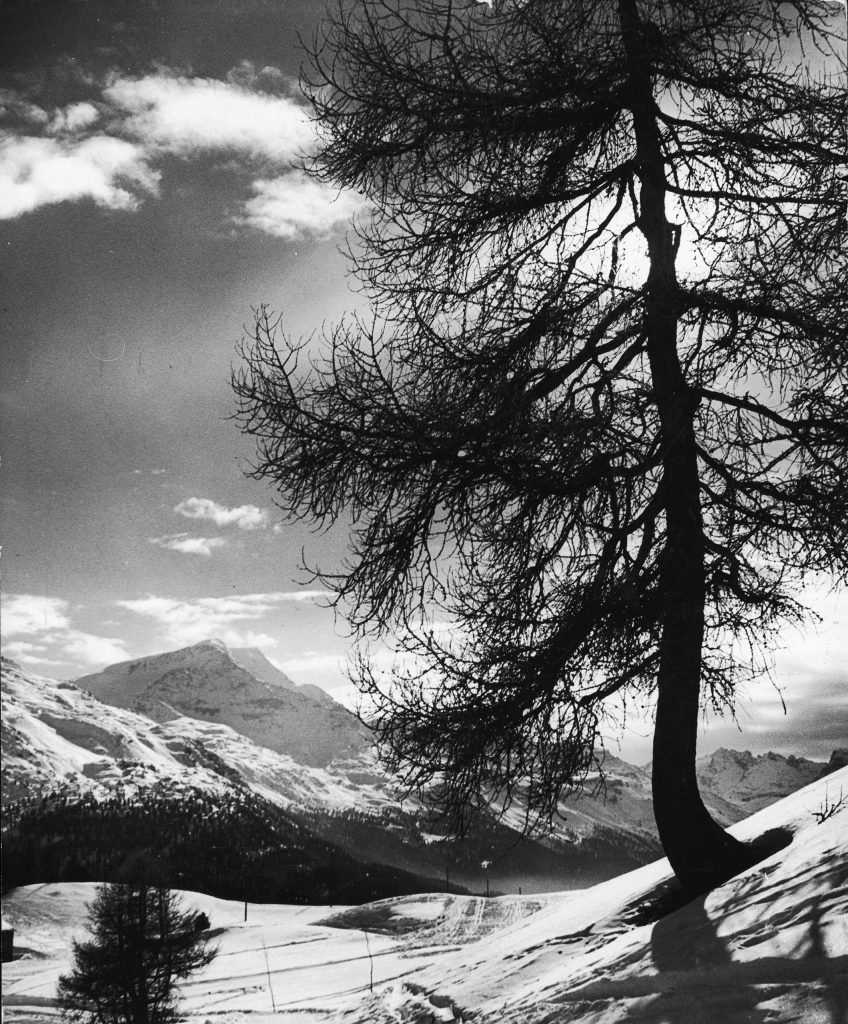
(143, 942)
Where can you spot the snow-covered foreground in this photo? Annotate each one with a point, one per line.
(769, 946)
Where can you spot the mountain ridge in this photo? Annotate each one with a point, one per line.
(56, 733)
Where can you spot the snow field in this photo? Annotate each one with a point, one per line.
(768, 947)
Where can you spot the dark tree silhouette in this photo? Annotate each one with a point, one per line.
(594, 434)
(143, 943)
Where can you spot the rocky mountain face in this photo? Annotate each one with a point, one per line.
(252, 660)
(218, 721)
(240, 689)
(749, 782)
(838, 760)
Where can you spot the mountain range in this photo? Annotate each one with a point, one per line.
(213, 720)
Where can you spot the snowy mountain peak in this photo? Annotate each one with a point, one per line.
(736, 756)
(215, 643)
(239, 688)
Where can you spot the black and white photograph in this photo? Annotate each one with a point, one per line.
(424, 511)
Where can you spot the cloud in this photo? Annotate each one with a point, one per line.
(186, 544)
(14, 107)
(49, 638)
(33, 613)
(312, 662)
(264, 79)
(293, 205)
(245, 517)
(74, 118)
(190, 621)
(37, 172)
(94, 650)
(21, 649)
(58, 157)
(182, 116)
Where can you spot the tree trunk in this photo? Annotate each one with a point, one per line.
(701, 853)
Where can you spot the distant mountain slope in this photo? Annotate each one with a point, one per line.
(751, 782)
(208, 683)
(65, 738)
(252, 660)
(56, 734)
(233, 844)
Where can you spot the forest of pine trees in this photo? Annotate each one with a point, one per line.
(234, 846)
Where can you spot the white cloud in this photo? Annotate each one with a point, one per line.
(32, 613)
(30, 654)
(93, 650)
(37, 172)
(15, 107)
(251, 639)
(183, 115)
(21, 649)
(190, 621)
(245, 517)
(186, 544)
(312, 662)
(139, 121)
(50, 637)
(74, 118)
(293, 205)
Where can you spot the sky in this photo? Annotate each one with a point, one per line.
(149, 200)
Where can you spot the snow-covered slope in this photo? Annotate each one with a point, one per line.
(206, 682)
(55, 734)
(782, 923)
(61, 737)
(771, 945)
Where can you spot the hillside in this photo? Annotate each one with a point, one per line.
(771, 945)
(54, 732)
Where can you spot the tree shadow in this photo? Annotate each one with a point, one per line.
(701, 982)
(687, 943)
(835, 982)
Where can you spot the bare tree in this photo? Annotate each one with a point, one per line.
(594, 436)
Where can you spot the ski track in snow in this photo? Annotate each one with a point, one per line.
(768, 947)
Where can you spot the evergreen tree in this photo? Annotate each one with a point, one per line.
(142, 944)
(595, 435)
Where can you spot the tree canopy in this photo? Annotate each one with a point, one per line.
(595, 433)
